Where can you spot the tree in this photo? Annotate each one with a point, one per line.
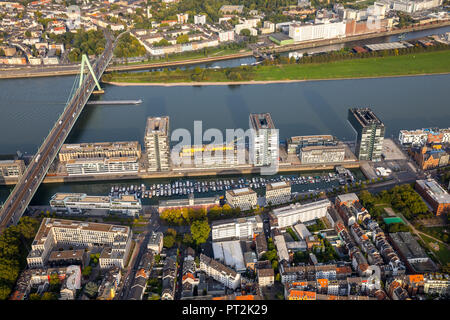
(200, 231)
(49, 296)
(5, 291)
(34, 296)
(184, 38)
(87, 271)
(245, 32)
(55, 282)
(187, 239)
(169, 241)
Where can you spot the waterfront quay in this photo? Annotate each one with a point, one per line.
(186, 172)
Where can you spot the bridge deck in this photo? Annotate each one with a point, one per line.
(29, 182)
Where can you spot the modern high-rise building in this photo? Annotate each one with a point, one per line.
(157, 143)
(265, 140)
(370, 133)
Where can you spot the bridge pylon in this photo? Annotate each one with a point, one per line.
(85, 61)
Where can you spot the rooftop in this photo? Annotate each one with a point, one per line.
(261, 121)
(157, 125)
(434, 190)
(365, 116)
(240, 192)
(278, 185)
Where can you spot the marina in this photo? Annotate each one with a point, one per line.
(216, 186)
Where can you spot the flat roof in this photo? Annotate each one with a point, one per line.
(261, 121)
(231, 253)
(434, 190)
(50, 223)
(100, 146)
(157, 125)
(365, 116)
(278, 185)
(240, 192)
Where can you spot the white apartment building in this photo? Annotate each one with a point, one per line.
(90, 166)
(264, 142)
(266, 277)
(295, 213)
(11, 168)
(100, 157)
(307, 32)
(226, 35)
(79, 203)
(155, 242)
(278, 192)
(99, 150)
(219, 272)
(419, 137)
(241, 228)
(411, 6)
(244, 198)
(157, 143)
(115, 240)
(199, 19)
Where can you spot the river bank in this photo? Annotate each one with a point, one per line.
(237, 83)
(413, 64)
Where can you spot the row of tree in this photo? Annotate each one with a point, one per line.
(186, 216)
(14, 247)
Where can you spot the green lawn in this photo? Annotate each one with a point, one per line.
(418, 63)
(427, 62)
(443, 253)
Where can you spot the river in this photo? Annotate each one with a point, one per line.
(30, 107)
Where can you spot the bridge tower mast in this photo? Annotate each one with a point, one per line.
(85, 61)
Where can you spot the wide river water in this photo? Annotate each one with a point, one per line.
(30, 107)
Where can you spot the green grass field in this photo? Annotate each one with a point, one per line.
(419, 63)
(427, 62)
(443, 253)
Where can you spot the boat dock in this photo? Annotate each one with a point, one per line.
(115, 102)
